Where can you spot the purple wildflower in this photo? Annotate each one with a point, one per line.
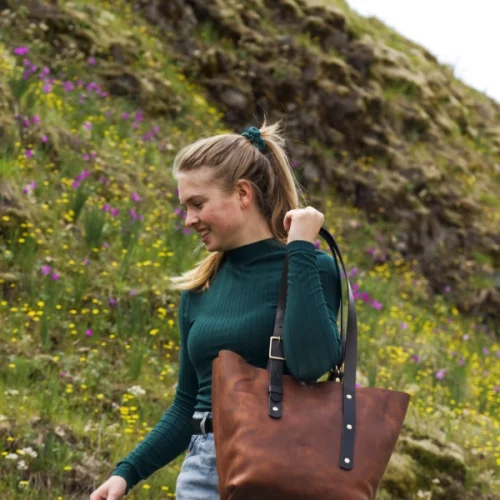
(47, 88)
(106, 207)
(461, 362)
(376, 305)
(133, 292)
(135, 197)
(112, 301)
(125, 116)
(317, 244)
(440, 374)
(88, 125)
(55, 276)
(186, 231)
(44, 138)
(404, 325)
(29, 188)
(91, 61)
(45, 270)
(82, 176)
(365, 296)
(29, 153)
(75, 184)
(415, 358)
(63, 373)
(114, 212)
(353, 272)
(88, 333)
(21, 51)
(465, 337)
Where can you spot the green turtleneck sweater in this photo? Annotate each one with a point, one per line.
(237, 313)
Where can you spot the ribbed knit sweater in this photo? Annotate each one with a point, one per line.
(238, 313)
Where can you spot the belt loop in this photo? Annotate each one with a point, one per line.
(202, 425)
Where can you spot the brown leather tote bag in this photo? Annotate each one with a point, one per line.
(279, 439)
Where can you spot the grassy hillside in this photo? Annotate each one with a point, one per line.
(95, 101)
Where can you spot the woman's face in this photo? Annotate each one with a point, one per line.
(208, 208)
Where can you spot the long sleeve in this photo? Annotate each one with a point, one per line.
(171, 435)
(311, 338)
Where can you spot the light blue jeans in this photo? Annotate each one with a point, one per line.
(197, 479)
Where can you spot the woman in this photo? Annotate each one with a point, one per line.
(240, 195)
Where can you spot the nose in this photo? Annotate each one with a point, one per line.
(190, 220)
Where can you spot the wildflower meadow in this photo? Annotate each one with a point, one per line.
(90, 232)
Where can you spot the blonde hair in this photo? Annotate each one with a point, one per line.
(233, 157)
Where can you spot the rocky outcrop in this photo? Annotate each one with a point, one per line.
(346, 97)
(430, 468)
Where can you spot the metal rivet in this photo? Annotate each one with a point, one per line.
(275, 408)
(349, 396)
(346, 460)
(349, 426)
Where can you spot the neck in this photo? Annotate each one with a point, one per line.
(252, 235)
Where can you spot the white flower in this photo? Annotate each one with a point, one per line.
(2, 418)
(136, 390)
(12, 456)
(21, 465)
(30, 451)
(11, 392)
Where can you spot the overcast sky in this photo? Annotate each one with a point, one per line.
(463, 34)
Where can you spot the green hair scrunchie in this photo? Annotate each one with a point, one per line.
(254, 136)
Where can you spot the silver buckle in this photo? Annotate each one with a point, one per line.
(202, 424)
(271, 348)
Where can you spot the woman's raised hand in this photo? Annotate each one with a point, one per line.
(303, 224)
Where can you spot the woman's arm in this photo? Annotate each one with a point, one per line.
(171, 435)
(311, 338)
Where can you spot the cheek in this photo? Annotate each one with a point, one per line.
(226, 215)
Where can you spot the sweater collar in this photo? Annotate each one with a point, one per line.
(248, 252)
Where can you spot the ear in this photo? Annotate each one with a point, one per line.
(244, 190)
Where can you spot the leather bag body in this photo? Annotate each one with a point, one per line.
(277, 438)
